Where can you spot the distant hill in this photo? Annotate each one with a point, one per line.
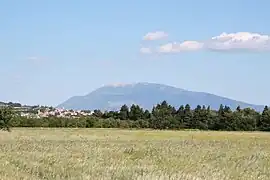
(19, 106)
(2, 104)
(10, 104)
(112, 97)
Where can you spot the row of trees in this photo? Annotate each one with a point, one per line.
(162, 116)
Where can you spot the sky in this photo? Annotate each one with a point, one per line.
(53, 50)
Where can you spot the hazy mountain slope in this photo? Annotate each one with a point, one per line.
(147, 95)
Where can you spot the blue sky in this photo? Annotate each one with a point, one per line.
(52, 50)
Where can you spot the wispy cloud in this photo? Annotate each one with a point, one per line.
(180, 47)
(35, 59)
(17, 76)
(224, 42)
(145, 50)
(151, 36)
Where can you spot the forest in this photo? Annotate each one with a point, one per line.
(162, 116)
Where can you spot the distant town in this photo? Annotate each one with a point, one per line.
(44, 111)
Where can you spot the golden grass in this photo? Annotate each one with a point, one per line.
(81, 154)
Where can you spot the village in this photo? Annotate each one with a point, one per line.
(44, 111)
(55, 112)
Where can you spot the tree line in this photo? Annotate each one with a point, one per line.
(162, 116)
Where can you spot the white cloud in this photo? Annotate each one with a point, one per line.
(32, 58)
(155, 36)
(239, 41)
(223, 42)
(35, 59)
(145, 50)
(118, 84)
(180, 47)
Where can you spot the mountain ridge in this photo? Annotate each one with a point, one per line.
(112, 97)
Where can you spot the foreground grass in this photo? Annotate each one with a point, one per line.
(82, 154)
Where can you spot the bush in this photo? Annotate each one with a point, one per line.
(6, 115)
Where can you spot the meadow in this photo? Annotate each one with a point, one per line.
(82, 154)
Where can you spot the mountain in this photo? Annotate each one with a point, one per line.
(112, 97)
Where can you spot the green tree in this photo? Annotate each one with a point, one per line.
(162, 116)
(187, 117)
(203, 120)
(124, 112)
(264, 123)
(238, 109)
(6, 115)
(136, 112)
(196, 117)
(180, 115)
(220, 120)
(146, 114)
(97, 113)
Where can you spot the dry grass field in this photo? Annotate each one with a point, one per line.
(81, 154)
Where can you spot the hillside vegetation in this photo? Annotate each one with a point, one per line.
(162, 116)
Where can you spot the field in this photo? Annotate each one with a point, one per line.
(133, 154)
